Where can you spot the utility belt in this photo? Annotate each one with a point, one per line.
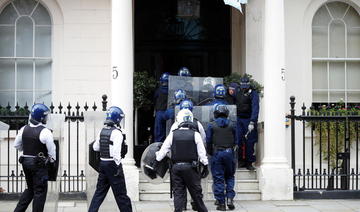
(221, 148)
(193, 164)
(40, 160)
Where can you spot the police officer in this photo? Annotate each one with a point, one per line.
(39, 151)
(184, 72)
(222, 143)
(179, 95)
(187, 148)
(247, 105)
(161, 100)
(188, 104)
(231, 92)
(219, 95)
(110, 143)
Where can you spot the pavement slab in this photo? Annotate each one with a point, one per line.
(241, 206)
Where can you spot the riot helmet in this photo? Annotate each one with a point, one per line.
(179, 95)
(184, 72)
(219, 91)
(221, 110)
(186, 104)
(184, 115)
(164, 79)
(245, 83)
(114, 116)
(39, 113)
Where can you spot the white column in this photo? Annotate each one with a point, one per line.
(122, 60)
(275, 175)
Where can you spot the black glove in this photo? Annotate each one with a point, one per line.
(155, 165)
(205, 172)
(150, 173)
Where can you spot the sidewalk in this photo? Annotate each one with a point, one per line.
(241, 206)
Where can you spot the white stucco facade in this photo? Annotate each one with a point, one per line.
(90, 37)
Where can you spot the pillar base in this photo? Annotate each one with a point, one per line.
(131, 173)
(276, 181)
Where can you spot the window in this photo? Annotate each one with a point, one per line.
(25, 53)
(336, 54)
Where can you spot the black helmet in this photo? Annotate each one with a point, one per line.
(221, 110)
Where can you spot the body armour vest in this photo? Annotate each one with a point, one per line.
(243, 104)
(105, 142)
(31, 141)
(161, 101)
(223, 136)
(183, 148)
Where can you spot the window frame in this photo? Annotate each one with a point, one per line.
(34, 59)
(330, 59)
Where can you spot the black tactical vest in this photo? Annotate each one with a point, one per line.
(105, 142)
(161, 101)
(223, 136)
(31, 141)
(243, 104)
(183, 148)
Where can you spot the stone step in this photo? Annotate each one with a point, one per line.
(239, 185)
(164, 195)
(241, 173)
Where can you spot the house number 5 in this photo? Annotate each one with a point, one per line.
(115, 72)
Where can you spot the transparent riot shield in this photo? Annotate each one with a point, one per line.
(55, 123)
(198, 89)
(205, 114)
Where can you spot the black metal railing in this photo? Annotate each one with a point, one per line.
(12, 179)
(327, 157)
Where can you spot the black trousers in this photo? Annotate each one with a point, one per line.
(36, 180)
(184, 176)
(117, 183)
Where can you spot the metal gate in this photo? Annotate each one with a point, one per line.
(325, 155)
(72, 179)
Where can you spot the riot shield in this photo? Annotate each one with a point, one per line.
(94, 157)
(155, 176)
(55, 123)
(198, 89)
(205, 114)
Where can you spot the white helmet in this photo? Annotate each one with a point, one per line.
(184, 115)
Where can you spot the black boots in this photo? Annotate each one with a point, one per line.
(230, 204)
(249, 166)
(221, 207)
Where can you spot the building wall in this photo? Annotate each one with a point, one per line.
(80, 49)
(298, 55)
(84, 72)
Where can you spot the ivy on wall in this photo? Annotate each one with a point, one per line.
(332, 134)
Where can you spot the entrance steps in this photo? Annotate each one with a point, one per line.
(246, 188)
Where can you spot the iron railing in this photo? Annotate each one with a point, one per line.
(73, 178)
(328, 157)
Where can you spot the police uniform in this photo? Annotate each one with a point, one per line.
(111, 173)
(186, 146)
(198, 126)
(161, 99)
(33, 139)
(247, 105)
(221, 139)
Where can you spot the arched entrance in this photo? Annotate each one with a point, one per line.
(176, 33)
